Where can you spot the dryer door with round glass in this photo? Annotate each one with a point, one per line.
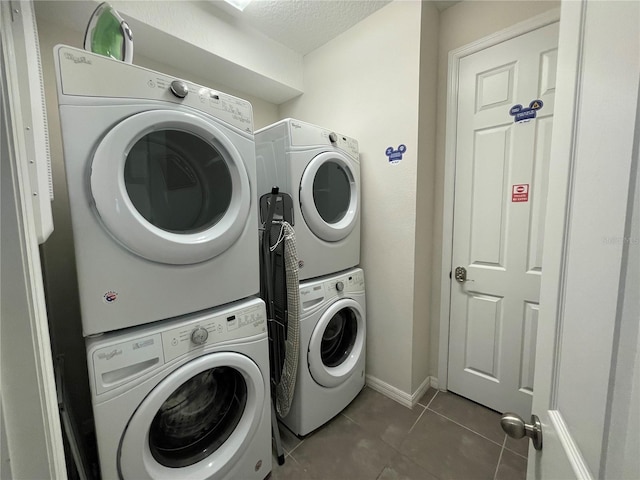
(337, 343)
(197, 422)
(170, 187)
(329, 196)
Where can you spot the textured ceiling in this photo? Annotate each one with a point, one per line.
(304, 25)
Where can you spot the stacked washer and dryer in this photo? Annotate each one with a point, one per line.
(161, 177)
(320, 170)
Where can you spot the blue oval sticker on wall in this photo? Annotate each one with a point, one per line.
(395, 155)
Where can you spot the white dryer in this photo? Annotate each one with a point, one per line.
(320, 169)
(332, 350)
(184, 399)
(161, 180)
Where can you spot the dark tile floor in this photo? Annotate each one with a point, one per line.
(375, 438)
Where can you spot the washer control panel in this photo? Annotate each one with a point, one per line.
(117, 358)
(214, 329)
(199, 336)
(350, 282)
(315, 292)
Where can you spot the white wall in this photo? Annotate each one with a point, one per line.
(461, 24)
(365, 84)
(429, 34)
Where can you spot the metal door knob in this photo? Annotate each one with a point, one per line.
(514, 426)
(460, 274)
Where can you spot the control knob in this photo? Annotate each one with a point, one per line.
(339, 286)
(199, 336)
(333, 138)
(179, 88)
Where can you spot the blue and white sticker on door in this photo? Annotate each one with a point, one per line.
(395, 155)
(524, 114)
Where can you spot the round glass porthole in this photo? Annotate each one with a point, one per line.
(338, 338)
(171, 187)
(331, 192)
(177, 181)
(198, 417)
(329, 196)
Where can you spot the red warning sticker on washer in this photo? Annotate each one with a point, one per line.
(520, 193)
(110, 297)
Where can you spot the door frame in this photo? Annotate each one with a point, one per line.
(455, 56)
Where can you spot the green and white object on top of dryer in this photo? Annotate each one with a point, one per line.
(108, 34)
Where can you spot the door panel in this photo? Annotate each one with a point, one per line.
(495, 87)
(490, 161)
(497, 234)
(529, 331)
(538, 192)
(484, 322)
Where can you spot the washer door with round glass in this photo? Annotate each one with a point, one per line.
(197, 422)
(329, 196)
(170, 187)
(337, 343)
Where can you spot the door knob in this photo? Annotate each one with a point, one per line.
(514, 426)
(460, 274)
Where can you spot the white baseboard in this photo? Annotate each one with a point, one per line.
(434, 382)
(398, 395)
(422, 389)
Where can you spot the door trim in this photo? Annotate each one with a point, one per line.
(455, 56)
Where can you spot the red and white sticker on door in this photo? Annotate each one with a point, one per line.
(520, 193)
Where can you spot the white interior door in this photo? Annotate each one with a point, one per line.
(501, 182)
(587, 392)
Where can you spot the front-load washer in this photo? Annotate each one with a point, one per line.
(332, 349)
(187, 398)
(320, 169)
(161, 180)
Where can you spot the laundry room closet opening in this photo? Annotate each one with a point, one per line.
(197, 151)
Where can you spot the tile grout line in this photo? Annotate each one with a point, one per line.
(432, 398)
(420, 416)
(291, 451)
(349, 418)
(504, 442)
(429, 402)
(516, 453)
(464, 426)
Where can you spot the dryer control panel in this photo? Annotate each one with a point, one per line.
(305, 134)
(86, 74)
